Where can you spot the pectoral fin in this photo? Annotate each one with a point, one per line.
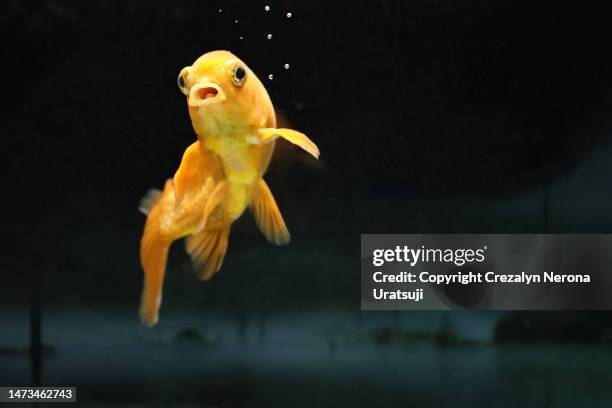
(268, 216)
(292, 136)
(197, 165)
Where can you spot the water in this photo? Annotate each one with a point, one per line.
(485, 377)
(311, 361)
(441, 117)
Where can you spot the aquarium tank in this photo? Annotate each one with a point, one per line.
(304, 128)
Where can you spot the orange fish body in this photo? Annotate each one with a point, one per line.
(220, 175)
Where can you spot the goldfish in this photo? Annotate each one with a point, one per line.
(220, 174)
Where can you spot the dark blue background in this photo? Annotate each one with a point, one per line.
(431, 116)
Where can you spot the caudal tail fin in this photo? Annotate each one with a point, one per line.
(153, 256)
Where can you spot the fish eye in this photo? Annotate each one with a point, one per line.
(239, 75)
(183, 81)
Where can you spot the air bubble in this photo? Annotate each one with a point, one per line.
(241, 37)
(269, 36)
(289, 15)
(287, 66)
(267, 8)
(220, 10)
(236, 21)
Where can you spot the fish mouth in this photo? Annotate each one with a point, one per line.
(206, 93)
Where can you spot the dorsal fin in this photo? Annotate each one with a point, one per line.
(149, 200)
